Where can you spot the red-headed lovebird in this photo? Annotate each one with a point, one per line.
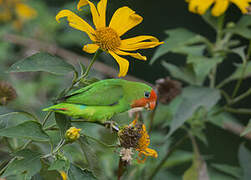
(103, 99)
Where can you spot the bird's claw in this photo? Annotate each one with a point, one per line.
(112, 125)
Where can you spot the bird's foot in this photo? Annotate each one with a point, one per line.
(112, 125)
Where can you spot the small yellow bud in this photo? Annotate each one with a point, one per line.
(72, 134)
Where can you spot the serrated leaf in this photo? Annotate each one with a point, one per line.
(203, 65)
(238, 72)
(42, 62)
(29, 130)
(242, 27)
(193, 98)
(91, 159)
(180, 41)
(185, 74)
(231, 170)
(247, 129)
(27, 162)
(76, 173)
(244, 156)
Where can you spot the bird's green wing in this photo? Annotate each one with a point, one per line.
(101, 94)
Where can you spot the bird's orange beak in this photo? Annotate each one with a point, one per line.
(148, 103)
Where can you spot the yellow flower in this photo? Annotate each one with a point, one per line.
(108, 37)
(220, 6)
(143, 144)
(63, 175)
(135, 136)
(16, 11)
(72, 134)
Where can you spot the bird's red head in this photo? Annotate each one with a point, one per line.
(148, 101)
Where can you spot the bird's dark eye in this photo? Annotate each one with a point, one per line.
(147, 94)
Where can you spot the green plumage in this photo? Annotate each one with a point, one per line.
(101, 100)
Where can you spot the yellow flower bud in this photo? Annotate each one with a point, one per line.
(72, 134)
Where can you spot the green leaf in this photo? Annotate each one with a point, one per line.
(244, 156)
(27, 162)
(178, 157)
(42, 62)
(231, 170)
(91, 158)
(63, 123)
(76, 173)
(28, 130)
(180, 41)
(59, 165)
(238, 72)
(193, 98)
(222, 119)
(198, 171)
(247, 129)
(242, 27)
(13, 118)
(203, 65)
(185, 74)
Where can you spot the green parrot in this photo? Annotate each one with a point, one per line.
(101, 100)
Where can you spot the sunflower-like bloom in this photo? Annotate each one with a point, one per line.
(16, 11)
(220, 6)
(135, 136)
(108, 37)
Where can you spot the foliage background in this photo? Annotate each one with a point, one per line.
(35, 90)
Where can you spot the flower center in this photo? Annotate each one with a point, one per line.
(107, 38)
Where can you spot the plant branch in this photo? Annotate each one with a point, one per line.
(63, 53)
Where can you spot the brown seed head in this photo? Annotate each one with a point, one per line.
(7, 93)
(167, 89)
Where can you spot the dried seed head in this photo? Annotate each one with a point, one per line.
(129, 136)
(7, 93)
(167, 89)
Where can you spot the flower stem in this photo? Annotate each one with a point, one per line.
(169, 152)
(98, 52)
(218, 45)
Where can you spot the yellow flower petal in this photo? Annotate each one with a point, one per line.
(124, 19)
(123, 64)
(90, 48)
(141, 45)
(63, 175)
(25, 12)
(81, 3)
(102, 12)
(95, 15)
(135, 55)
(193, 4)
(150, 152)
(242, 4)
(204, 6)
(220, 7)
(76, 22)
